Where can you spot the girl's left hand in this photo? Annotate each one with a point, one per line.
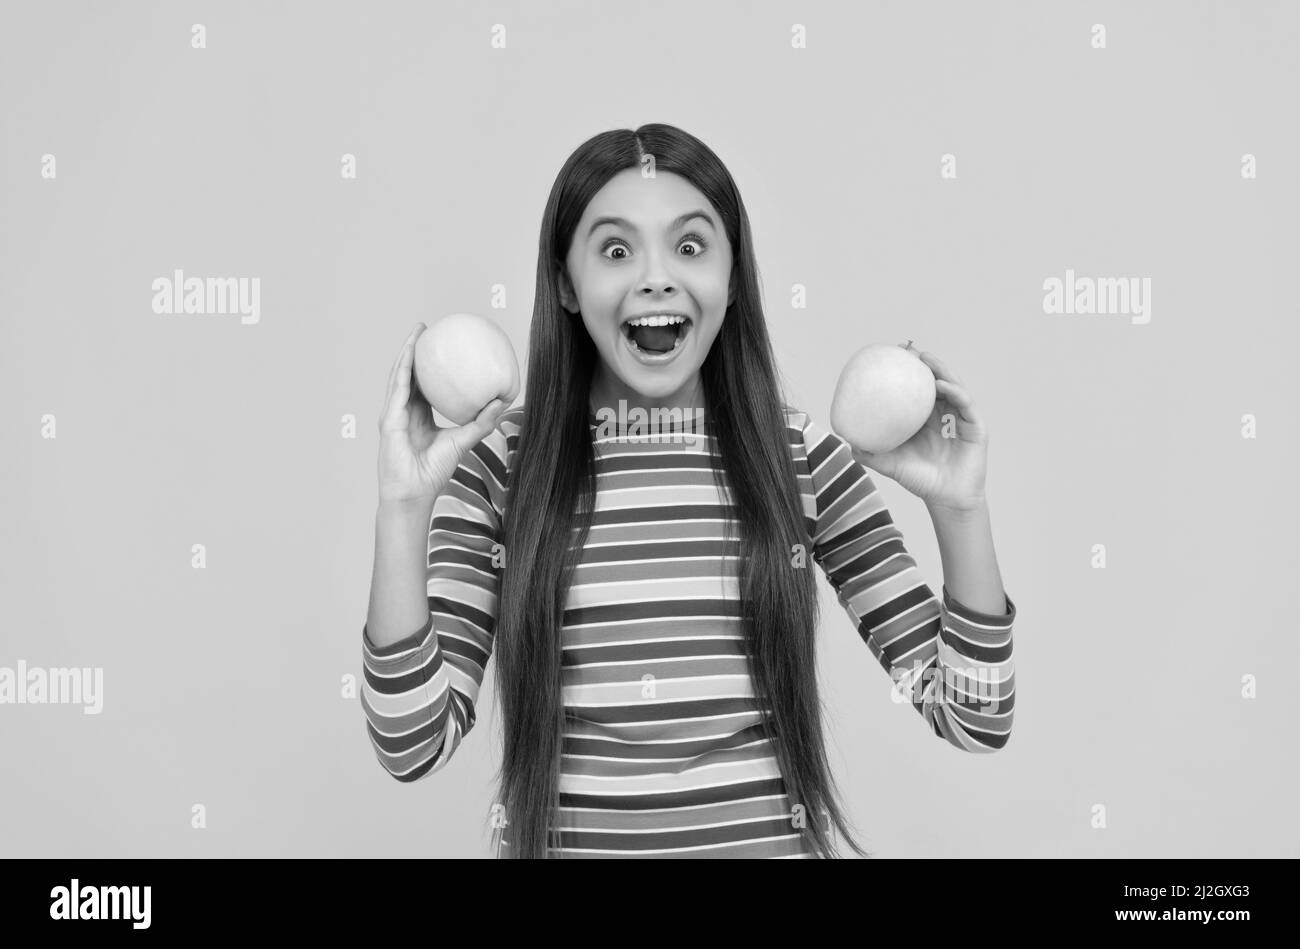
(945, 471)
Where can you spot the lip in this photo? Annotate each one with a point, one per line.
(646, 359)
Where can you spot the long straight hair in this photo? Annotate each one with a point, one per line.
(550, 496)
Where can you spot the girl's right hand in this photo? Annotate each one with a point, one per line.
(417, 457)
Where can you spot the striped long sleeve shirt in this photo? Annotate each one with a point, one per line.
(682, 768)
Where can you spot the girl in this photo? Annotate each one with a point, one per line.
(645, 586)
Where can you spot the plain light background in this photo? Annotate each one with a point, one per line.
(223, 686)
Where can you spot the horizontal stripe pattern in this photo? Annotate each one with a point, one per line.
(663, 752)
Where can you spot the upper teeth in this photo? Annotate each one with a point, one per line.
(656, 320)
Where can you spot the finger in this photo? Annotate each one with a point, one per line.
(400, 385)
(416, 396)
(958, 397)
(937, 366)
(392, 372)
(418, 405)
(936, 413)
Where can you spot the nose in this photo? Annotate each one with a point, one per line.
(656, 279)
(656, 288)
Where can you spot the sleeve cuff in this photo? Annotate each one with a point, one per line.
(405, 645)
(1001, 620)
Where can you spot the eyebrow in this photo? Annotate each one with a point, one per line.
(676, 222)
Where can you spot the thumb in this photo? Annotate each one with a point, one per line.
(470, 434)
(869, 459)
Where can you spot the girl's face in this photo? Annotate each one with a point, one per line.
(642, 249)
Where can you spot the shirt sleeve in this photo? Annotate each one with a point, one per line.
(420, 693)
(953, 663)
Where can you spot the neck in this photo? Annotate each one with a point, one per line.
(607, 390)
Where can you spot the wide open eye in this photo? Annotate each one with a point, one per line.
(695, 239)
(608, 245)
(686, 239)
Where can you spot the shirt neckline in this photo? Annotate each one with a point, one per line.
(649, 422)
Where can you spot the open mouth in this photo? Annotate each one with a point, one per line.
(658, 334)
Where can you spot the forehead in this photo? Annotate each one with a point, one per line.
(648, 202)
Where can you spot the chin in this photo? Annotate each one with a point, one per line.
(652, 388)
(651, 385)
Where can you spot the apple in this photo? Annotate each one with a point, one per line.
(883, 397)
(463, 362)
